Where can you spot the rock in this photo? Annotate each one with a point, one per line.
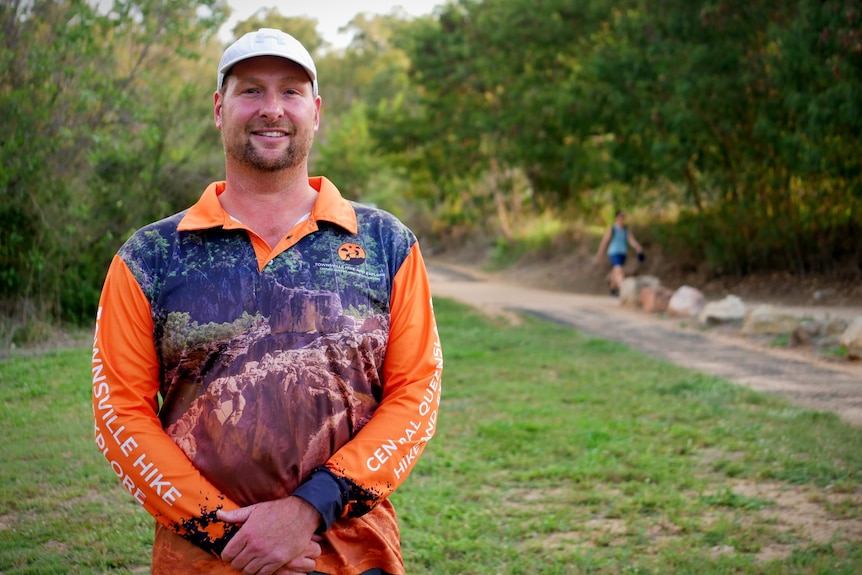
(237, 425)
(654, 299)
(729, 310)
(851, 339)
(768, 320)
(629, 292)
(835, 327)
(304, 311)
(822, 334)
(631, 288)
(822, 295)
(805, 333)
(686, 302)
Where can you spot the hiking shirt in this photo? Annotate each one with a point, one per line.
(226, 373)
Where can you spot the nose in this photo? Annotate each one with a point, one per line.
(271, 107)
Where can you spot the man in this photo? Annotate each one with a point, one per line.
(266, 365)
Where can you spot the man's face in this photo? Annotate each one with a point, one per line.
(267, 114)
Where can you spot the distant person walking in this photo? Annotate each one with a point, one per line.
(615, 243)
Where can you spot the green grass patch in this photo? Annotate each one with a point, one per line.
(837, 351)
(556, 453)
(559, 453)
(61, 508)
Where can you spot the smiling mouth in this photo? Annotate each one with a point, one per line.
(271, 134)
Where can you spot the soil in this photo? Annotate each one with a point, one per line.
(575, 270)
(572, 289)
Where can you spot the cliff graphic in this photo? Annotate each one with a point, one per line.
(307, 375)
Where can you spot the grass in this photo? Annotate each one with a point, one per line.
(556, 453)
(61, 509)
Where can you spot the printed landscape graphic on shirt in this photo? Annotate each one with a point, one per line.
(261, 364)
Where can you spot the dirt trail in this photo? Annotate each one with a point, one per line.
(803, 378)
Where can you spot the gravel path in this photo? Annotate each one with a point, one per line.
(803, 378)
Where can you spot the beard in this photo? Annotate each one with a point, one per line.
(240, 148)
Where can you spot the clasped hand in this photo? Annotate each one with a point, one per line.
(275, 537)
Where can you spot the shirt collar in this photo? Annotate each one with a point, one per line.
(330, 206)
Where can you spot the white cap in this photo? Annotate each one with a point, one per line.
(267, 42)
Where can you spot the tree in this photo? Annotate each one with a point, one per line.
(732, 101)
(302, 28)
(367, 83)
(79, 87)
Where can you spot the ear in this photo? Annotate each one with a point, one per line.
(317, 103)
(217, 108)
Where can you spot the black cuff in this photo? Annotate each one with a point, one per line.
(327, 493)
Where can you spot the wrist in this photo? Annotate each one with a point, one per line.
(327, 494)
(306, 513)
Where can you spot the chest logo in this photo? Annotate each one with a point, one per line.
(352, 254)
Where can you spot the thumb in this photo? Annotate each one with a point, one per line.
(240, 515)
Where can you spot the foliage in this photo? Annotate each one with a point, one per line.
(735, 125)
(746, 108)
(186, 334)
(303, 29)
(720, 123)
(368, 82)
(93, 108)
(347, 157)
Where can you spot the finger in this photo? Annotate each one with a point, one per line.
(240, 515)
(305, 562)
(257, 566)
(236, 553)
(313, 550)
(287, 569)
(302, 565)
(231, 552)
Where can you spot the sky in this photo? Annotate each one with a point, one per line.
(330, 14)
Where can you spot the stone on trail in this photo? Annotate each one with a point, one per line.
(686, 301)
(729, 310)
(655, 299)
(631, 288)
(768, 320)
(822, 334)
(851, 339)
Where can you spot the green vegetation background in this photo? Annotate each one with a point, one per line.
(729, 130)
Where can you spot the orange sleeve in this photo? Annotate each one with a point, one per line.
(128, 432)
(384, 452)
